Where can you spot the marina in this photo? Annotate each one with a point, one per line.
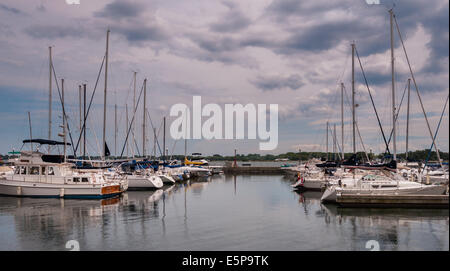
(143, 145)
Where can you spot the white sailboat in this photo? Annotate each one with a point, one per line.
(378, 185)
(144, 181)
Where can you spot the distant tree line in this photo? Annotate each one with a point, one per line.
(420, 155)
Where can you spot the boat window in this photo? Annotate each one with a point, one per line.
(17, 170)
(84, 180)
(43, 170)
(51, 171)
(34, 170)
(23, 170)
(76, 180)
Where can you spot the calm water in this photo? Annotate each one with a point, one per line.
(223, 213)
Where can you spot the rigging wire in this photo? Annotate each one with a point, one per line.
(371, 99)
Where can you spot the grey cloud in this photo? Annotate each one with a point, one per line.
(120, 9)
(234, 20)
(10, 9)
(292, 82)
(135, 33)
(54, 31)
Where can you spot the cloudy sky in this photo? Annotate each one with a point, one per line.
(286, 52)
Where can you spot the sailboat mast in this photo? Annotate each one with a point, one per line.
(393, 85)
(353, 98)
(64, 119)
(50, 63)
(126, 124)
(84, 118)
(115, 129)
(134, 108)
(164, 140)
(143, 121)
(342, 120)
(186, 134)
(80, 109)
(154, 143)
(327, 140)
(334, 143)
(104, 97)
(407, 119)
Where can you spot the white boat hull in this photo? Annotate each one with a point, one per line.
(330, 194)
(309, 184)
(144, 182)
(33, 189)
(166, 179)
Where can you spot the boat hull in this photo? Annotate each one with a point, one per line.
(144, 182)
(30, 189)
(166, 179)
(330, 194)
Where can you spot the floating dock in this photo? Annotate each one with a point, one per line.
(398, 201)
(252, 170)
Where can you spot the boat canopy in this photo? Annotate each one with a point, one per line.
(44, 142)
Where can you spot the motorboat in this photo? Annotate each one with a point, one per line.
(34, 177)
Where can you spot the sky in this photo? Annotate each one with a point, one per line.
(286, 52)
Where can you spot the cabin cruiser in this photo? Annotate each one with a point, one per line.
(36, 178)
(372, 184)
(196, 171)
(197, 159)
(195, 168)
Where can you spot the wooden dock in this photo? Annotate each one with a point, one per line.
(252, 170)
(399, 201)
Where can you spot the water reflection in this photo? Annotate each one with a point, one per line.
(394, 228)
(209, 214)
(45, 223)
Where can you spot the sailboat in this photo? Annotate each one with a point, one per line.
(391, 183)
